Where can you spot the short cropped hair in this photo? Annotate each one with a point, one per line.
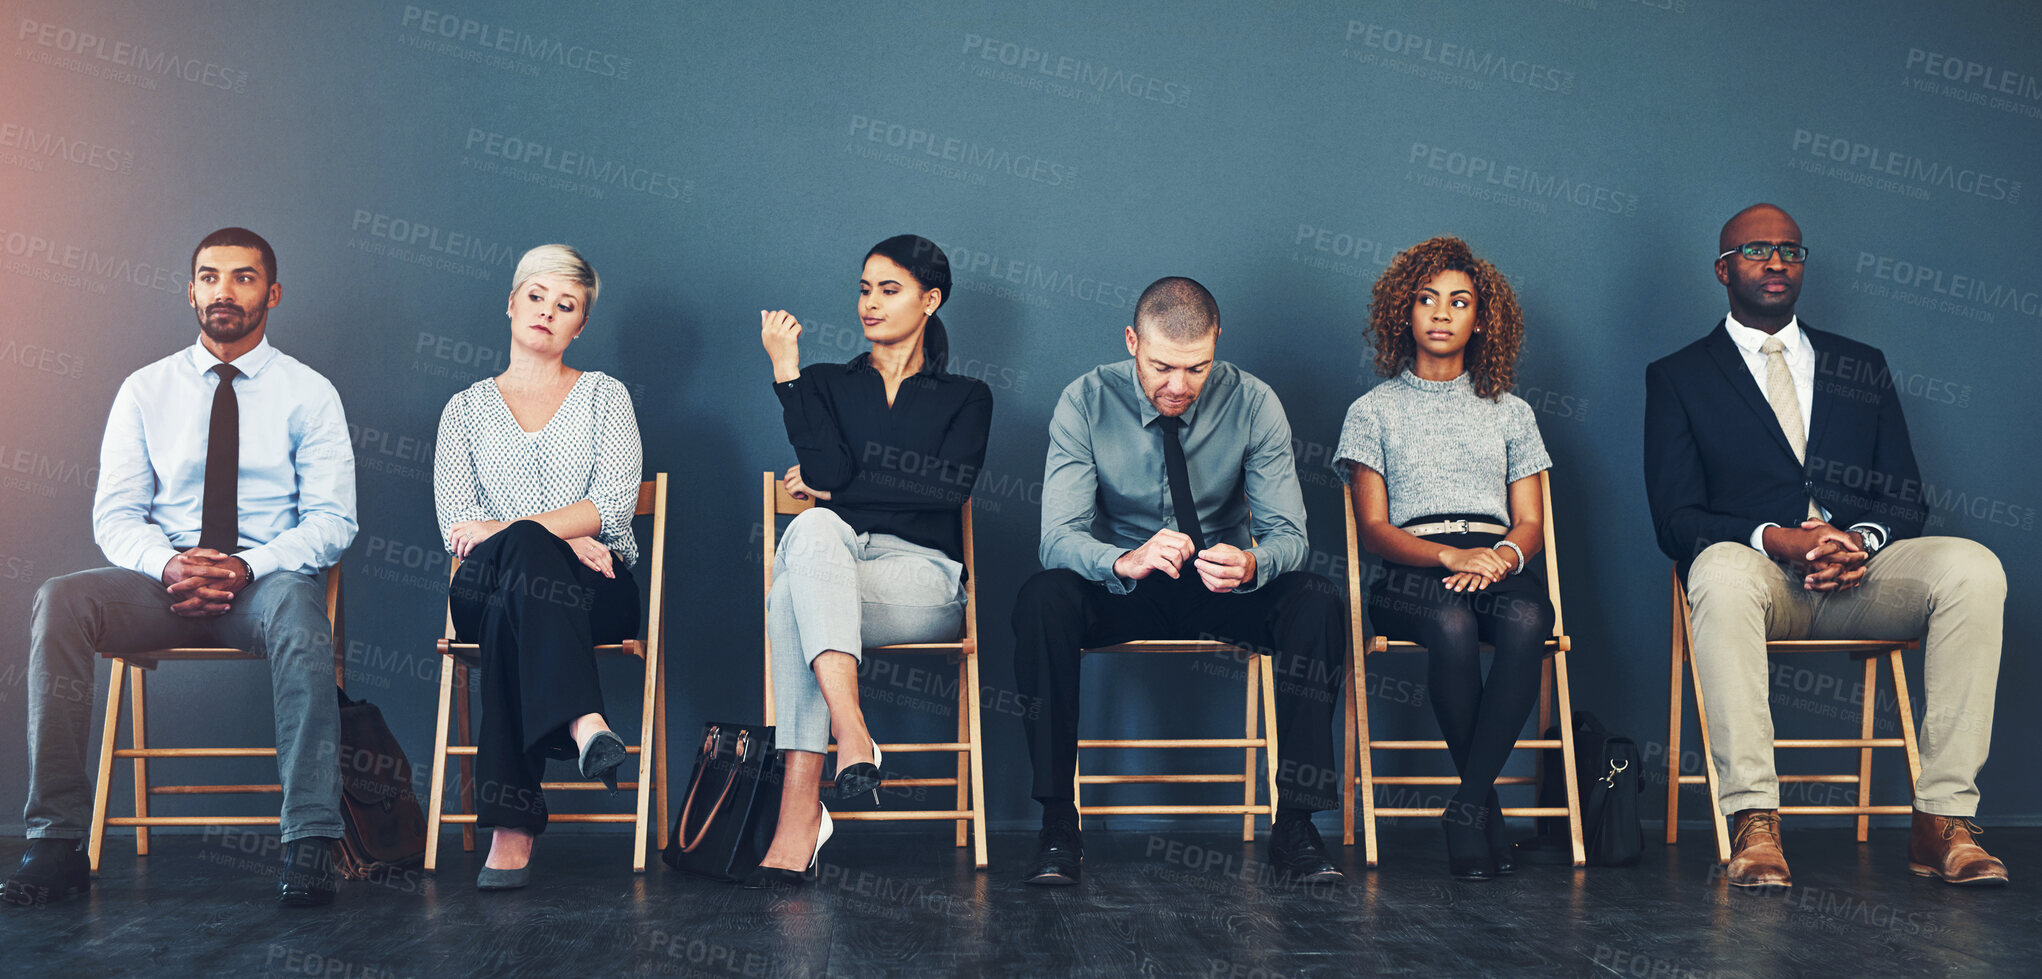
(560, 260)
(237, 238)
(1176, 308)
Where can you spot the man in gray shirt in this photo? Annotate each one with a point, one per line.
(1171, 510)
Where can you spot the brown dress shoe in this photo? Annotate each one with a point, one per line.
(1942, 847)
(1755, 856)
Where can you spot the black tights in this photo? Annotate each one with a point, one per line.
(1479, 719)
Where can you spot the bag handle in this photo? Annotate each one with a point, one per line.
(744, 740)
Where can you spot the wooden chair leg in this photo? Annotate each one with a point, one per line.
(1905, 703)
(1273, 753)
(1676, 695)
(438, 796)
(963, 828)
(1865, 753)
(648, 756)
(1721, 824)
(1254, 666)
(664, 825)
(109, 737)
(1568, 760)
(467, 766)
(1365, 756)
(1347, 777)
(139, 737)
(978, 771)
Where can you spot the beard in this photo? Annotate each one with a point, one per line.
(231, 328)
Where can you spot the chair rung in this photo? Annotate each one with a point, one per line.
(1839, 743)
(1174, 743)
(1436, 813)
(1841, 645)
(1169, 646)
(195, 753)
(1436, 780)
(1233, 810)
(909, 783)
(918, 647)
(1821, 779)
(212, 789)
(1846, 810)
(1527, 744)
(914, 746)
(191, 820)
(585, 786)
(1236, 778)
(586, 817)
(1694, 780)
(181, 655)
(892, 815)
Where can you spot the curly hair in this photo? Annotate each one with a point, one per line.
(1491, 354)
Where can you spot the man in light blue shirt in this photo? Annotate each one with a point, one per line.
(1171, 510)
(226, 485)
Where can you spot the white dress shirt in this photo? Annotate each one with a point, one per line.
(1800, 355)
(296, 488)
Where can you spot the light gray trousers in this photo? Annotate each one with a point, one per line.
(1949, 589)
(282, 615)
(838, 590)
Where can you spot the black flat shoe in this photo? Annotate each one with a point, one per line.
(1467, 843)
(767, 878)
(600, 758)
(1500, 849)
(861, 778)
(51, 871)
(1059, 855)
(1296, 849)
(307, 880)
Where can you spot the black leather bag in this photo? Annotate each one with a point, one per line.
(384, 828)
(732, 805)
(1610, 781)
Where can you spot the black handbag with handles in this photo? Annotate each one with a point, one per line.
(384, 828)
(732, 805)
(1609, 781)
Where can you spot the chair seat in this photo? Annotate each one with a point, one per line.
(1166, 646)
(470, 653)
(148, 659)
(1379, 644)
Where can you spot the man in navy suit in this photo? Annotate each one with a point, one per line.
(1783, 485)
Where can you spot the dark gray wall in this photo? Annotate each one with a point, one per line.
(716, 160)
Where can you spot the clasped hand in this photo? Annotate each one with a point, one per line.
(204, 582)
(1474, 568)
(1222, 567)
(1827, 558)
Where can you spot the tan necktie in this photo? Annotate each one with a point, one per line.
(1779, 392)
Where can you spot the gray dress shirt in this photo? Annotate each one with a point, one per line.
(1105, 492)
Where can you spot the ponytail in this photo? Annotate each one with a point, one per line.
(935, 346)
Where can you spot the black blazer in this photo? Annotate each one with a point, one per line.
(1717, 464)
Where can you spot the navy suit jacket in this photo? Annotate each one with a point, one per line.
(1717, 463)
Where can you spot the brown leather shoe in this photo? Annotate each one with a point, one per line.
(1942, 847)
(1755, 856)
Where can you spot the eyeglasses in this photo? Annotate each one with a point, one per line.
(1759, 251)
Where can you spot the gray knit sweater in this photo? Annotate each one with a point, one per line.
(1440, 448)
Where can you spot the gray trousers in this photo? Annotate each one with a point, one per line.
(1949, 589)
(282, 615)
(838, 590)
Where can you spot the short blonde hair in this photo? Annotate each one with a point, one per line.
(560, 260)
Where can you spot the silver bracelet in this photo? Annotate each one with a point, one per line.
(1514, 547)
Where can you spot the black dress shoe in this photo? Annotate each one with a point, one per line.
(51, 870)
(1296, 849)
(600, 758)
(763, 878)
(307, 880)
(1500, 849)
(1467, 842)
(856, 780)
(1059, 855)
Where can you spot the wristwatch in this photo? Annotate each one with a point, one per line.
(247, 573)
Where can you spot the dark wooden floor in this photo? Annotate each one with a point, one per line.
(1171, 902)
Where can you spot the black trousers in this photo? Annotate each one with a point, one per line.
(1297, 618)
(538, 613)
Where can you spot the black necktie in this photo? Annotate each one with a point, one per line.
(218, 524)
(1180, 480)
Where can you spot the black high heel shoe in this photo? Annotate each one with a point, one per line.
(765, 878)
(861, 778)
(1467, 843)
(600, 758)
(1500, 849)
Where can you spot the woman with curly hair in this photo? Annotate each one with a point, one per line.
(1443, 463)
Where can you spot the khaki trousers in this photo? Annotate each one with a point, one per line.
(1949, 590)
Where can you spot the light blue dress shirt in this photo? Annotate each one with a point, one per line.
(1105, 492)
(296, 488)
